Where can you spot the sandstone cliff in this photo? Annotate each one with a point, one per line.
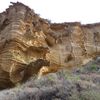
(31, 45)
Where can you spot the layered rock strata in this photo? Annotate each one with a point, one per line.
(30, 44)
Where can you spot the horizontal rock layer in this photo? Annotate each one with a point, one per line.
(28, 42)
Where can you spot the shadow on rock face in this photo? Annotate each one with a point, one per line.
(4, 80)
(34, 67)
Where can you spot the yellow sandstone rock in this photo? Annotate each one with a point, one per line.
(31, 45)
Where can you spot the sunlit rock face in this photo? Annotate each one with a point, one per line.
(28, 43)
(22, 41)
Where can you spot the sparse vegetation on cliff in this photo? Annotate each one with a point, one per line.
(78, 84)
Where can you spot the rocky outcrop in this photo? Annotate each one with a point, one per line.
(78, 41)
(22, 41)
(31, 45)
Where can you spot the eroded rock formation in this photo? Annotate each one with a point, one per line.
(31, 45)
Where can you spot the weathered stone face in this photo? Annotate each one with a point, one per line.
(21, 41)
(77, 44)
(25, 38)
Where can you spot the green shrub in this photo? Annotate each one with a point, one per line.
(90, 95)
(93, 67)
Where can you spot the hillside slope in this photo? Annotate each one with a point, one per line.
(79, 84)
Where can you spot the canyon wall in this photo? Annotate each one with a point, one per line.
(30, 44)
